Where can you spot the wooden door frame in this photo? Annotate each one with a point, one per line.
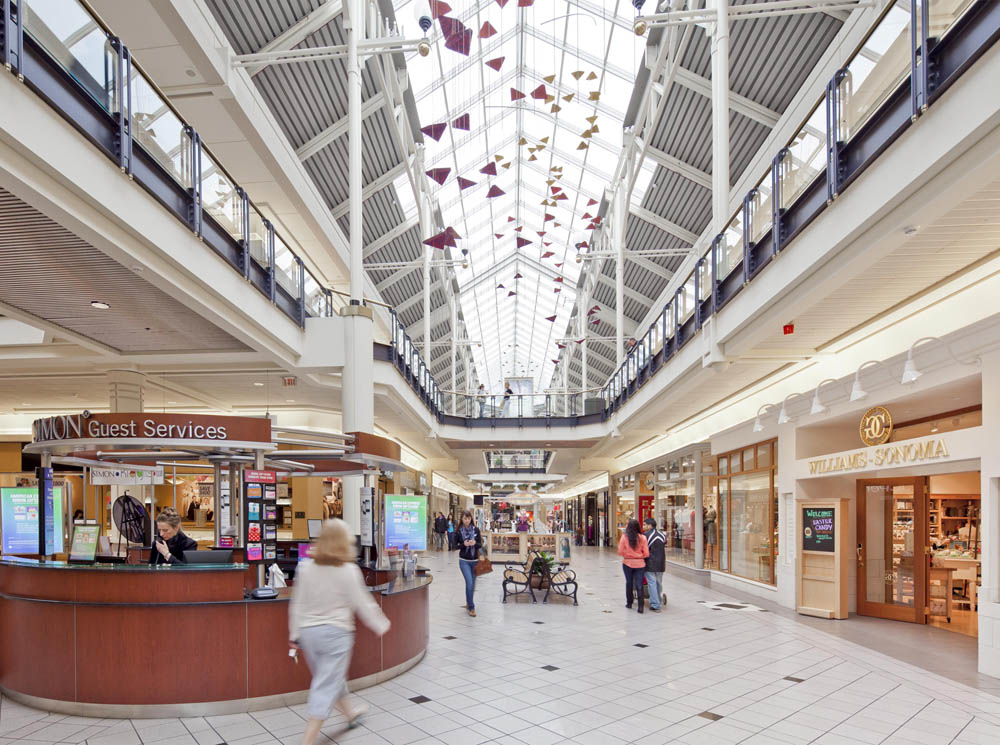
(920, 542)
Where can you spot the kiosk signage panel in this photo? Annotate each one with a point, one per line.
(261, 530)
(406, 522)
(367, 510)
(818, 531)
(84, 546)
(19, 515)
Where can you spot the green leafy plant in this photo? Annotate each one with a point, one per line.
(543, 564)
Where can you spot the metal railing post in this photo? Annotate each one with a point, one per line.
(777, 213)
(271, 288)
(245, 230)
(12, 35)
(194, 207)
(749, 212)
(302, 290)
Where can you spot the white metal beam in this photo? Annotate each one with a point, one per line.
(665, 225)
(650, 266)
(605, 280)
(300, 31)
(386, 238)
(740, 104)
(688, 171)
(377, 185)
(338, 129)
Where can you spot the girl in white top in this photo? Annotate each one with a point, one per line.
(328, 590)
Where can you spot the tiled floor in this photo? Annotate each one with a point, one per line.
(598, 674)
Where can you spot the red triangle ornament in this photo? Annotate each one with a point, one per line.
(496, 63)
(438, 174)
(490, 169)
(486, 30)
(461, 123)
(495, 191)
(515, 94)
(522, 242)
(434, 131)
(464, 183)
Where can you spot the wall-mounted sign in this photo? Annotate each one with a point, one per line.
(69, 430)
(888, 455)
(818, 529)
(876, 426)
(126, 475)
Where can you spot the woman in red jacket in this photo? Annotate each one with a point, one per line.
(633, 549)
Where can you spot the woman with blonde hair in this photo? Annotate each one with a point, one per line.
(170, 543)
(329, 589)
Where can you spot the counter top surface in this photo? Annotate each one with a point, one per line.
(18, 561)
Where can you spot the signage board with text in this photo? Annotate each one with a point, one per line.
(19, 516)
(818, 530)
(406, 522)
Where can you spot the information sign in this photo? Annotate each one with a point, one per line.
(818, 531)
(84, 546)
(367, 508)
(406, 522)
(19, 515)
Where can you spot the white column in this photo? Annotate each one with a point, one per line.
(454, 352)
(989, 521)
(618, 238)
(125, 391)
(720, 117)
(357, 404)
(699, 514)
(583, 328)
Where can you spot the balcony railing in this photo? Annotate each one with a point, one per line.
(65, 54)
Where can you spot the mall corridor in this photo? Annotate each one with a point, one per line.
(597, 674)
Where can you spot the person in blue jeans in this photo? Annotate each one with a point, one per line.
(469, 542)
(656, 564)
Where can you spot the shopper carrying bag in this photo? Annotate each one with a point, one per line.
(634, 550)
(469, 542)
(328, 591)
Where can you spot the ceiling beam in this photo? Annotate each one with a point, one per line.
(603, 314)
(377, 185)
(739, 104)
(386, 238)
(665, 225)
(646, 302)
(299, 31)
(650, 266)
(338, 129)
(418, 298)
(688, 171)
(395, 277)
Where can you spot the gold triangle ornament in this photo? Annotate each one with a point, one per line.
(569, 97)
(533, 157)
(592, 119)
(556, 108)
(586, 135)
(550, 181)
(505, 165)
(582, 146)
(592, 76)
(550, 99)
(594, 129)
(498, 158)
(577, 74)
(550, 79)
(594, 96)
(545, 139)
(532, 149)
(522, 141)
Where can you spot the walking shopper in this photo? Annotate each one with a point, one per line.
(451, 532)
(328, 591)
(440, 529)
(633, 549)
(507, 393)
(470, 541)
(656, 564)
(481, 395)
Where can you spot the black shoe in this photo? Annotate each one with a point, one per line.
(628, 605)
(640, 609)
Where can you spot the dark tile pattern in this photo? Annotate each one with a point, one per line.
(420, 699)
(550, 668)
(710, 715)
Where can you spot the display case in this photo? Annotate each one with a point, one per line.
(505, 546)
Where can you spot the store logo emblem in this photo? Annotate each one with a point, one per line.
(876, 426)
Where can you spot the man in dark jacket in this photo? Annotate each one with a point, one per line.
(656, 564)
(440, 528)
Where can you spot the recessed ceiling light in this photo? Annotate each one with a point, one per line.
(99, 305)
(25, 403)
(259, 385)
(289, 400)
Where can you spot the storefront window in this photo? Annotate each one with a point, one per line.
(748, 513)
(677, 519)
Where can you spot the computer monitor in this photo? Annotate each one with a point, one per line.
(315, 527)
(212, 556)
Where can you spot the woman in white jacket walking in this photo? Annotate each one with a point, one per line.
(329, 589)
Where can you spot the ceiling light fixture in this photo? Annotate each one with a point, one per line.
(259, 385)
(934, 427)
(857, 392)
(757, 425)
(910, 371)
(99, 305)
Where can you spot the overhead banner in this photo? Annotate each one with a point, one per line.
(126, 476)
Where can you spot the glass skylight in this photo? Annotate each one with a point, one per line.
(573, 60)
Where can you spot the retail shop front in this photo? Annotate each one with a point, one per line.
(910, 503)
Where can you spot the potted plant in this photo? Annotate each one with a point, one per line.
(541, 570)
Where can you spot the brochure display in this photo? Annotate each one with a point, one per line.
(260, 496)
(84, 545)
(515, 546)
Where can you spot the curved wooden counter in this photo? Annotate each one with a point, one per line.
(178, 641)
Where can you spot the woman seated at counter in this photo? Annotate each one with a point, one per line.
(170, 543)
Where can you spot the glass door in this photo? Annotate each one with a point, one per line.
(892, 548)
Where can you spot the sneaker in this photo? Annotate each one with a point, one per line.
(663, 599)
(472, 612)
(654, 610)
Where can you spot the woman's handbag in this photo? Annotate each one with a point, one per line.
(483, 566)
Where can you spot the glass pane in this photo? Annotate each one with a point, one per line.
(729, 253)
(805, 158)
(748, 464)
(710, 523)
(750, 504)
(760, 210)
(286, 270)
(65, 30)
(220, 198)
(724, 524)
(677, 499)
(764, 455)
(161, 133)
(258, 239)
(734, 463)
(705, 278)
(687, 299)
(879, 67)
(889, 545)
(723, 466)
(943, 14)
(315, 297)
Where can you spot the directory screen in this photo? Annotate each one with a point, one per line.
(406, 522)
(19, 519)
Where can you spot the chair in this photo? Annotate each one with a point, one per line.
(969, 574)
(562, 582)
(518, 576)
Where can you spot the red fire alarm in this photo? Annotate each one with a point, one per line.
(788, 328)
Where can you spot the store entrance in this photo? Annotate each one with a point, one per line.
(919, 550)
(892, 549)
